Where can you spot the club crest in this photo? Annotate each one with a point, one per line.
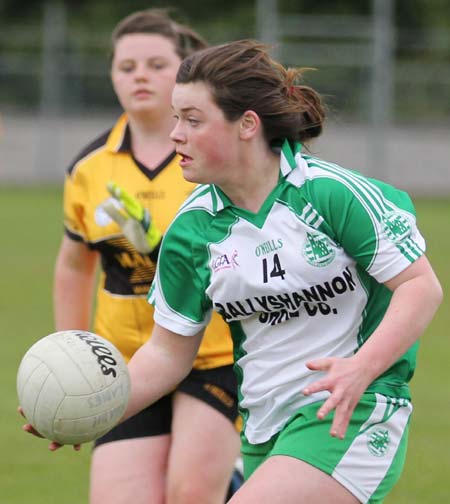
(378, 442)
(396, 227)
(318, 250)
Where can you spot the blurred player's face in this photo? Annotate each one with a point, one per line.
(143, 72)
(207, 142)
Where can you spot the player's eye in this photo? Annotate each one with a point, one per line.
(157, 65)
(127, 68)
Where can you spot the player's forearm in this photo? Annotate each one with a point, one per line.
(158, 366)
(72, 299)
(152, 376)
(74, 283)
(412, 307)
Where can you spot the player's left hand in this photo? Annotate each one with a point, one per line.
(53, 446)
(346, 381)
(134, 220)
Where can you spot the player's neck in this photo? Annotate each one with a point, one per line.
(250, 186)
(150, 140)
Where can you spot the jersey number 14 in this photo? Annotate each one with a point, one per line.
(277, 270)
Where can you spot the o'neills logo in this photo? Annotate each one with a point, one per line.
(101, 351)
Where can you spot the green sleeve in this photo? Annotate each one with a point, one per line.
(358, 213)
(183, 267)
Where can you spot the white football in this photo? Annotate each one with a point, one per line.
(73, 386)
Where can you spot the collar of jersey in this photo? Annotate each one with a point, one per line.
(119, 138)
(289, 151)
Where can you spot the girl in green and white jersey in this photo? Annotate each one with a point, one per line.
(319, 271)
(302, 279)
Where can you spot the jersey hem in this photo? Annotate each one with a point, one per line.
(398, 391)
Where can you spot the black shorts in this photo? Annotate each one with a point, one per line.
(216, 387)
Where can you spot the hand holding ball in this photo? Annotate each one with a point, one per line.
(73, 386)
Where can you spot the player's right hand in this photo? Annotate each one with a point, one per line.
(53, 446)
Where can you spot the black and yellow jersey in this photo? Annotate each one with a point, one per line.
(123, 314)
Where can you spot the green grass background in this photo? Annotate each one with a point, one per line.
(31, 229)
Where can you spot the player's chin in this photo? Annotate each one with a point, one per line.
(142, 106)
(191, 175)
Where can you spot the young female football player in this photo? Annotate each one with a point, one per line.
(319, 271)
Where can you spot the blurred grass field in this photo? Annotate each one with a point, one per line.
(31, 223)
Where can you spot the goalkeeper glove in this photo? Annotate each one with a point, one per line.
(133, 218)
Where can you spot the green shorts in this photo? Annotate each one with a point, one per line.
(368, 461)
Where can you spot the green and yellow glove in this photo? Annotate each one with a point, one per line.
(133, 219)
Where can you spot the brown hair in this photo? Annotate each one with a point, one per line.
(242, 76)
(186, 40)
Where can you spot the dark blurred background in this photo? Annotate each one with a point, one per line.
(383, 66)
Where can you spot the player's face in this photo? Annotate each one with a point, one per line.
(143, 72)
(207, 142)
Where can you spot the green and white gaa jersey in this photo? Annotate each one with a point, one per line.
(300, 279)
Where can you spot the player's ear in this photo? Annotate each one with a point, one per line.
(249, 125)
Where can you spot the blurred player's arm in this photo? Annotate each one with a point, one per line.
(158, 366)
(74, 283)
